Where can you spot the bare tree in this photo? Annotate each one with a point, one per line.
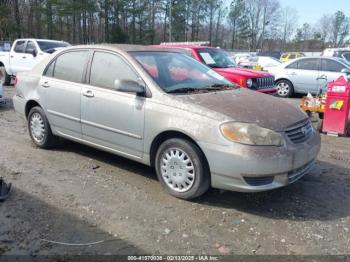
(340, 27)
(289, 21)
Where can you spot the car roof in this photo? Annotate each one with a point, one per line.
(37, 39)
(338, 59)
(182, 46)
(123, 47)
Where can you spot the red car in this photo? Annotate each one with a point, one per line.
(225, 65)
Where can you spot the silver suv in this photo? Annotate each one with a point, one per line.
(167, 110)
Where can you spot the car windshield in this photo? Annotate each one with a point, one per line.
(216, 58)
(48, 46)
(178, 73)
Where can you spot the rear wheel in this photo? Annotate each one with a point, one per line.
(5, 79)
(39, 129)
(182, 169)
(284, 88)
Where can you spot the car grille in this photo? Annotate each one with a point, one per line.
(300, 172)
(264, 82)
(300, 132)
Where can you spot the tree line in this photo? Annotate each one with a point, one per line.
(236, 24)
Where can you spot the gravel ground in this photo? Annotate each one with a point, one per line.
(75, 194)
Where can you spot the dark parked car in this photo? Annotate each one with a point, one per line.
(274, 54)
(338, 52)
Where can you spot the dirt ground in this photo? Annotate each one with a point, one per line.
(78, 195)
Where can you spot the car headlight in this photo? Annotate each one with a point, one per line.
(249, 83)
(250, 134)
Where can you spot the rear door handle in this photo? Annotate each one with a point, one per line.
(88, 93)
(24, 57)
(45, 84)
(293, 74)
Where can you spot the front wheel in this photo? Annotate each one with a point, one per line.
(284, 88)
(39, 128)
(182, 169)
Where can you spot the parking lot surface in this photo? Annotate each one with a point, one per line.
(109, 205)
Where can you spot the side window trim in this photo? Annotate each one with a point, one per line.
(88, 78)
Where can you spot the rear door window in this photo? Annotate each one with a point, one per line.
(19, 47)
(70, 66)
(107, 67)
(332, 66)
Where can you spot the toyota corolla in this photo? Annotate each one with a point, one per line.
(169, 111)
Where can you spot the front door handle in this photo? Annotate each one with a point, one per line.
(293, 74)
(45, 84)
(88, 93)
(322, 77)
(24, 57)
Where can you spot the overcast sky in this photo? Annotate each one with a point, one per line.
(311, 10)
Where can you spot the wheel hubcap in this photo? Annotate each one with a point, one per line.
(37, 127)
(283, 89)
(177, 170)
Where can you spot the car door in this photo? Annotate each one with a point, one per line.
(18, 57)
(331, 70)
(60, 89)
(31, 52)
(112, 119)
(304, 74)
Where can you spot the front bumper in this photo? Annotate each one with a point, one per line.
(260, 168)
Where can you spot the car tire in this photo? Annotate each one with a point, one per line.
(39, 129)
(182, 169)
(5, 79)
(284, 88)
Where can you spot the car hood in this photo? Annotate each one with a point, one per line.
(243, 105)
(242, 72)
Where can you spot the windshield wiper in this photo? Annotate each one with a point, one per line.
(217, 87)
(183, 90)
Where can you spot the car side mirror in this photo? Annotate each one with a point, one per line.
(345, 71)
(129, 86)
(32, 52)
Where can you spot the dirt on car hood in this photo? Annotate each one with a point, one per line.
(243, 105)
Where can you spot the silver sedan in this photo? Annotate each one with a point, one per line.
(307, 74)
(167, 110)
